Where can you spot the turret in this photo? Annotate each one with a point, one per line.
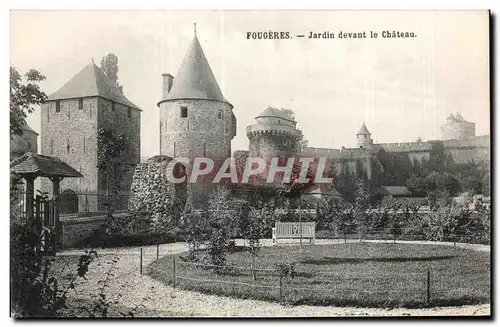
(274, 135)
(456, 127)
(195, 118)
(363, 138)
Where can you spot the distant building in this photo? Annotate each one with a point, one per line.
(456, 127)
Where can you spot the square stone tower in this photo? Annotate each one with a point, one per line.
(71, 120)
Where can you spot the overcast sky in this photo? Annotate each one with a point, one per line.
(402, 88)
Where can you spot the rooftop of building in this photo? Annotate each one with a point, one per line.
(363, 130)
(40, 165)
(91, 82)
(195, 79)
(395, 191)
(273, 112)
(27, 128)
(457, 118)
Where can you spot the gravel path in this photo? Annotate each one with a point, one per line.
(128, 289)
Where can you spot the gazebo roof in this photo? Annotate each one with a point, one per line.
(43, 166)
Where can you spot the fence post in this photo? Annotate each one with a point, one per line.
(157, 251)
(428, 287)
(141, 262)
(281, 287)
(174, 272)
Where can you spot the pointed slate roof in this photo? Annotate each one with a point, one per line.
(195, 79)
(363, 130)
(89, 82)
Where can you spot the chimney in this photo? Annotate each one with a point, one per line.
(168, 80)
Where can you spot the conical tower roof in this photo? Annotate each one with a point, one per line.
(89, 82)
(195, 79)
(363, 130)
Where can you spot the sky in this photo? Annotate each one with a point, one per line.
(402, 88)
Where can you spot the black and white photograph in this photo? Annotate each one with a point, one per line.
(250, 163)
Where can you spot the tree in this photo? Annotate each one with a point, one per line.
(109, 66)
(254, 231)
(288, 112)
(24, 96)
(361, 216)
(195, 226)
(221, 225)
(339, 216)
(109, 154)
(446, 221)
(435, 186)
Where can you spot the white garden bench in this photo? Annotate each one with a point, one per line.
(305, 230)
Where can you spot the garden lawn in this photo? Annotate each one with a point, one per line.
(352, 274)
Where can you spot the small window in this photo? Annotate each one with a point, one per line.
(58, 106)
(285, 142)
(184, 112)
(220, 114)
(84, 147)
(112, 106)
(279, 121)
(67, 146)
(129, 112)
(80, 103)
(51, 146)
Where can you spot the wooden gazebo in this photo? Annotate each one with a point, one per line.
(30, 166)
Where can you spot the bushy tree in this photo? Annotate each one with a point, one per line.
(222, 225)
(361, 216)
(196, 229)
(339, 216)
(446, 222)
(435, 186)
(254, 232)
(24, 97)
(154, 199)
(109, 66)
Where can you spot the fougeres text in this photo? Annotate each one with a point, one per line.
(250, 163)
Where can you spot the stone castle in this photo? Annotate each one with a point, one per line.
(196, 120)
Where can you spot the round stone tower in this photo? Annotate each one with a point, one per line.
(195, 118)
(274, 135)
(456, 127)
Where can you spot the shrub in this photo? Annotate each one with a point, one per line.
(35, 290)
(445, 222)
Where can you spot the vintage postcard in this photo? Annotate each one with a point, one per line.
(225, 163)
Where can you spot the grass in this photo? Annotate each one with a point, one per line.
(352, 274)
